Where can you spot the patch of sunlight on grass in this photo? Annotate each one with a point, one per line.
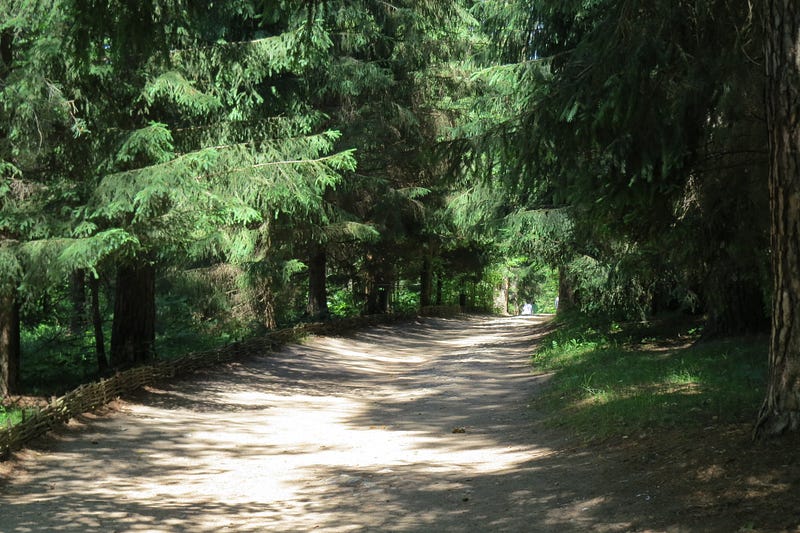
(683, 376)
(601, 387)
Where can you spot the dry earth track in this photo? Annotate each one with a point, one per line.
(424, 426)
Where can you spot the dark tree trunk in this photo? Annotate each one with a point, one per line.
(378, 280)
(426, 282)
(781, 409)
(97, 324)
(9, 307)
(317, 286)
(377, 294)
(439, 289)
(370, 295)
(6, 52)
(133, 332)
(734, 307)
(9, 345)
(385, 295)
(77, 283)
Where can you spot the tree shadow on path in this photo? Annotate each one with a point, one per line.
(425, 426)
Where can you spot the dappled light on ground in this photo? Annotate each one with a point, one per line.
(406, 428)
(418, 427)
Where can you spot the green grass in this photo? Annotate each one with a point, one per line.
(13, 415)
(613, 380)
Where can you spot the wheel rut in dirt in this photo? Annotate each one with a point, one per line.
(424, 426)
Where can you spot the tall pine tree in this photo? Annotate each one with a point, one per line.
(186, 100)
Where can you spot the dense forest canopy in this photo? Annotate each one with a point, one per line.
(173, 169)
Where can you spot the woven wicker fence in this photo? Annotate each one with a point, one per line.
(92, 396)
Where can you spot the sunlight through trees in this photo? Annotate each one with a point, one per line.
(175, 175)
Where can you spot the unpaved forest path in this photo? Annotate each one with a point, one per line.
(416, 427)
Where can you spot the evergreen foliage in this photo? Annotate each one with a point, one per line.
(623, 124)
(386, 155)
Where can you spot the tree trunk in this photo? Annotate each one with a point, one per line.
(270, 316)
(425, 282)
(9, 307)
(781, 409)
(77, 283)
(9, 345)
(566, 293)
(133, 332)
(6, 52)
(378, 291)
(97, 324)
(378, 281)
(317, 285)
(735, 306)
(370, 294)
(385, 292)
(501, 296)
(439, 289)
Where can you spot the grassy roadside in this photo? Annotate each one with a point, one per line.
(614, 380)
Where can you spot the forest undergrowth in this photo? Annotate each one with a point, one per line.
(612, 379)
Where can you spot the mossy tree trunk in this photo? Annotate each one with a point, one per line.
(566, 293)
(781, 409)
(501, 298)
(269, 314)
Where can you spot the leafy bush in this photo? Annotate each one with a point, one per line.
(406, 300)
(53, 360)
(341, 304)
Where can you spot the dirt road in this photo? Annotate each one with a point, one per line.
(417, 427)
